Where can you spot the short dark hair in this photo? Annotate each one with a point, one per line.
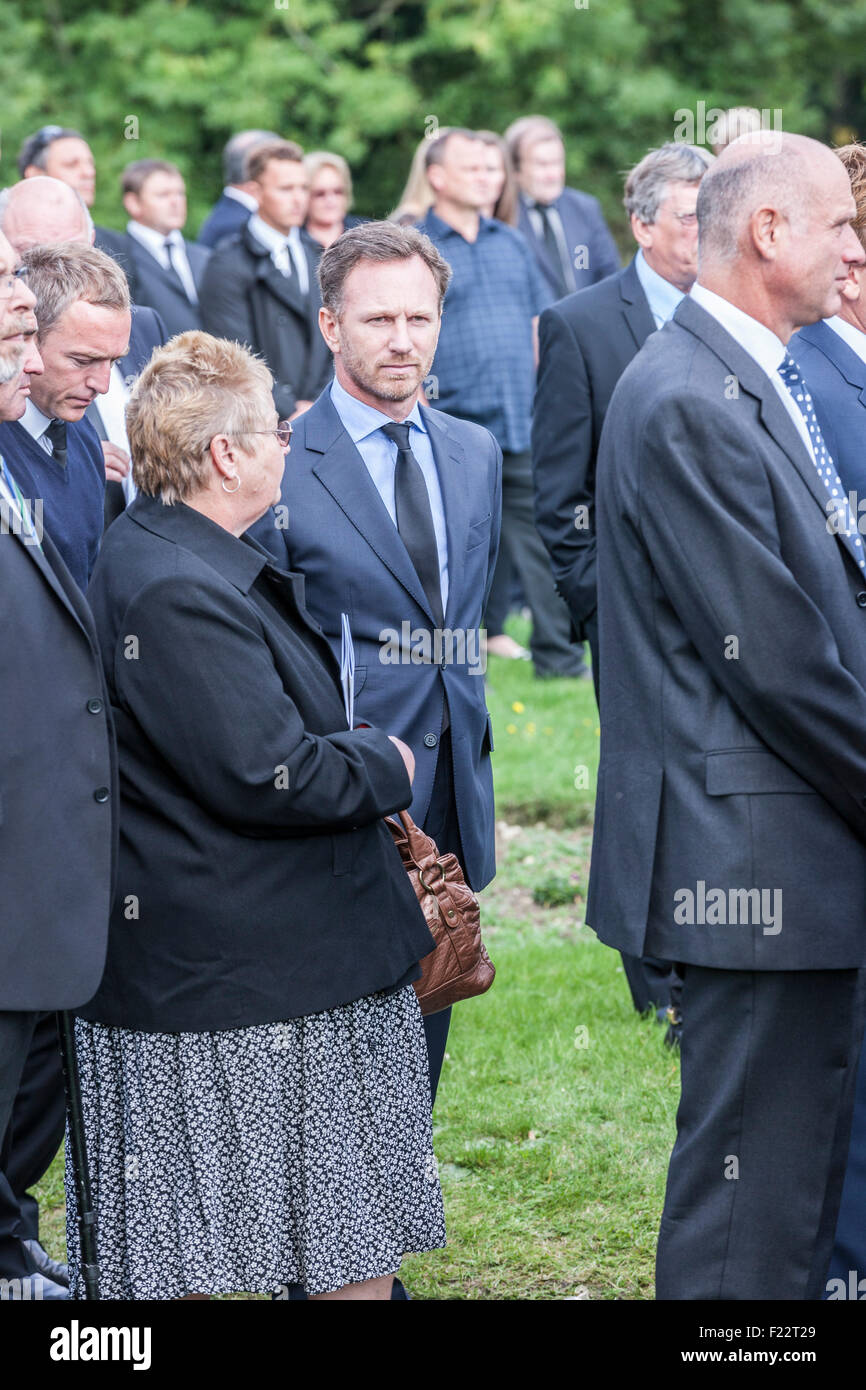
(136, 174)
(435, 152)
(260, 157)
(376, 241)
(35, 148)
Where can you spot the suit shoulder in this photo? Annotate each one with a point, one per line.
(586, 202)
(466, 432)
(588, 302)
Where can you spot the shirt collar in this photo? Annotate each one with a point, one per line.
(662, 296)
(854, 337)
(756, 338)
(34, 422)
(151, 240)
(246, 200)
(442, 228)
(270, 237)
(360, 419)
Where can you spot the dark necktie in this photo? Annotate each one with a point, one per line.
(415, 517)
(839, 513)
(552, 245)
(56, 432)
(173, 272)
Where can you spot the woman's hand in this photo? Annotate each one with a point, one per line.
(406, 754)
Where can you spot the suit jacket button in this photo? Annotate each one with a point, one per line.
(861, 599)
(430, 740)
(94, 706)
(101, 794)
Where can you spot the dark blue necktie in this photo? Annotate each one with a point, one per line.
(415, 517)
(844, 523)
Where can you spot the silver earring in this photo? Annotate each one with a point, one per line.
(236, 486)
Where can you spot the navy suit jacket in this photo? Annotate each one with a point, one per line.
(341, 537)
(586, 234)
(226, 217)
(836, 378)
(151, 284)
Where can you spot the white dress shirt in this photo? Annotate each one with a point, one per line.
(154, 242)
(112, 412)
(246, 200)
(854, 337)
(35, 423)
(760, 343)
(277, 244)
(662, 296)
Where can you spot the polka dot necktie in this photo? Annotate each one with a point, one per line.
(843, 522)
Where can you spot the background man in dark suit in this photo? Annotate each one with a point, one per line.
(733, 692)
(54, 923)
(585, 343)
(260, 287)
(403, 542)
(164, 270)
(565, 228)
(232, 209)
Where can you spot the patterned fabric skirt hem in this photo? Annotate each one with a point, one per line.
(239, 1161)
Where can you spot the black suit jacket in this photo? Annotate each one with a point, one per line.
(58, 792)
(592, 248)
(151, 284)
(146, 333)
(733, 674)
(257, 880)
(246, 298)
(586, 341)
(226, 217)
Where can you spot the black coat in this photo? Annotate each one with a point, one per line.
(586, 341)
(58, 792)
(256, 879)
(244, 297)
(733, 674)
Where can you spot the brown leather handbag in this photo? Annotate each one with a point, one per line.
(459, 966)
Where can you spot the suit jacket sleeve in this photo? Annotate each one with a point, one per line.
(205, 691)
(604, 257)
(496, 521)
(564, 465)
(710, 530)
(224, 300)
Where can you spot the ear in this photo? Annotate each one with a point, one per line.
(225, 455)
(852, 288)
(329, 328)
(642, 232)
(434, 177)
(132, 204)
(765, 229)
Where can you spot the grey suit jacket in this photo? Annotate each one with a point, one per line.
(733, 639)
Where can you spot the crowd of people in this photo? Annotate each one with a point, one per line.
(480, 407)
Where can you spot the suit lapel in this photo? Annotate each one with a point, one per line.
(635, 308)
(451, 469)
(837, 351)
(283, 287)
(49, 562)
(342, 471)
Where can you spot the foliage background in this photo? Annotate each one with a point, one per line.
(364, 77)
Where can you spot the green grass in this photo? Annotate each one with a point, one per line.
(556, 1108)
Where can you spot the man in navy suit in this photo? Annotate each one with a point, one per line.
(237, 202)
(832, 353)
(392, 512)
(164, 270)
(565, 228)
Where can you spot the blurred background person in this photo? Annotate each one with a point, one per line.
(164, 270)
(502, 193)
(484, 370)
(256, 1043)
(330, 197)
(43, 212)
(739, 120)
(417, 196)
(61, 153)
(232, 209)
(260, 287)
(565, 227)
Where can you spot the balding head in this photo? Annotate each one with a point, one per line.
(42, 211)
(773, 215)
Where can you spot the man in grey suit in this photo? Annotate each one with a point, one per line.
(731, 812)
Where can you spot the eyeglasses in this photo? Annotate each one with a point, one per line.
(284, 431)
(9, 282)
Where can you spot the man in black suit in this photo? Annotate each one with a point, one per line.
(55, 715)
(164, 270)
(58, 152)
(585, 343)
(42, 212)
(233, 207)
(730, 831)
(565, 228)
(260, 286)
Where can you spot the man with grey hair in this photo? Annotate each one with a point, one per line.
(83, 313)
(237, 202)
(586, 341)
(730, 830)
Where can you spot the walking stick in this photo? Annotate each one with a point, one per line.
(78, 1151)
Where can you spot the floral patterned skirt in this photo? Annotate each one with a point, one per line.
(239, 1161)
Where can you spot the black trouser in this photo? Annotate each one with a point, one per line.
(769, 1064)
(522, 549)
(32, 1110)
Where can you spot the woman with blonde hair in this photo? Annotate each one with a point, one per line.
(330, 197)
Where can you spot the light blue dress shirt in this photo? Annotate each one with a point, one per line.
(363, 424)
(662, 296)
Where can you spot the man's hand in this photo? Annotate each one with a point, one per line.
(117, 463)
(299, 409)
(406, 754)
